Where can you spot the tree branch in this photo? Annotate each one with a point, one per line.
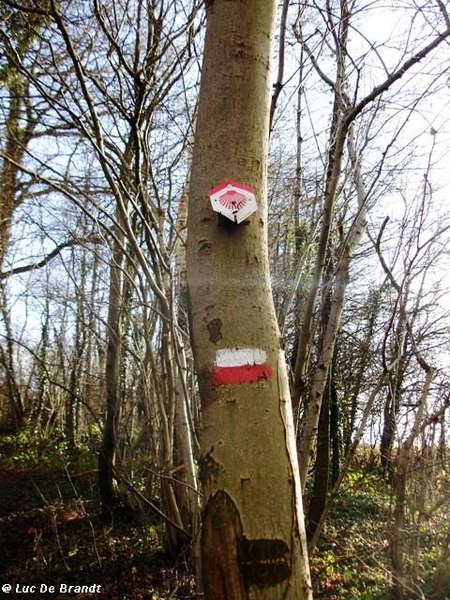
(278, 85)
(49, 257)
(394, 77)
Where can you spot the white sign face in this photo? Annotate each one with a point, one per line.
(235, 201)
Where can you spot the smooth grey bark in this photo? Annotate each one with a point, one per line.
(253, 539)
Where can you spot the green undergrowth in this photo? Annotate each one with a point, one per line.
(350, 561)
(28, 449)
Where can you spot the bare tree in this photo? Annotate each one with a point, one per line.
(347, 109)
(105, 95)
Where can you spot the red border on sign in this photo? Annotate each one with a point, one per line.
(225, 184)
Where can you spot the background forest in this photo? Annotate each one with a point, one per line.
(97, 385)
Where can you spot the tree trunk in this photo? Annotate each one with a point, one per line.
(404, 464)
(107, 455)
(16, 138)
(253, 538)
(319, 494)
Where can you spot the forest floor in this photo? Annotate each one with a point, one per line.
(50, 535)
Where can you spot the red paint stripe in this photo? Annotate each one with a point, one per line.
(241, 374)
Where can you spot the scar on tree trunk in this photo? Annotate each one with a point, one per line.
(262, 562)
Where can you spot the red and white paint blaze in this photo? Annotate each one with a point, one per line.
(241, 365)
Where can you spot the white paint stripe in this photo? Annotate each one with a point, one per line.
(240, 356)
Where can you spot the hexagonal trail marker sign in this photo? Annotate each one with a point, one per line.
(233, 200)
